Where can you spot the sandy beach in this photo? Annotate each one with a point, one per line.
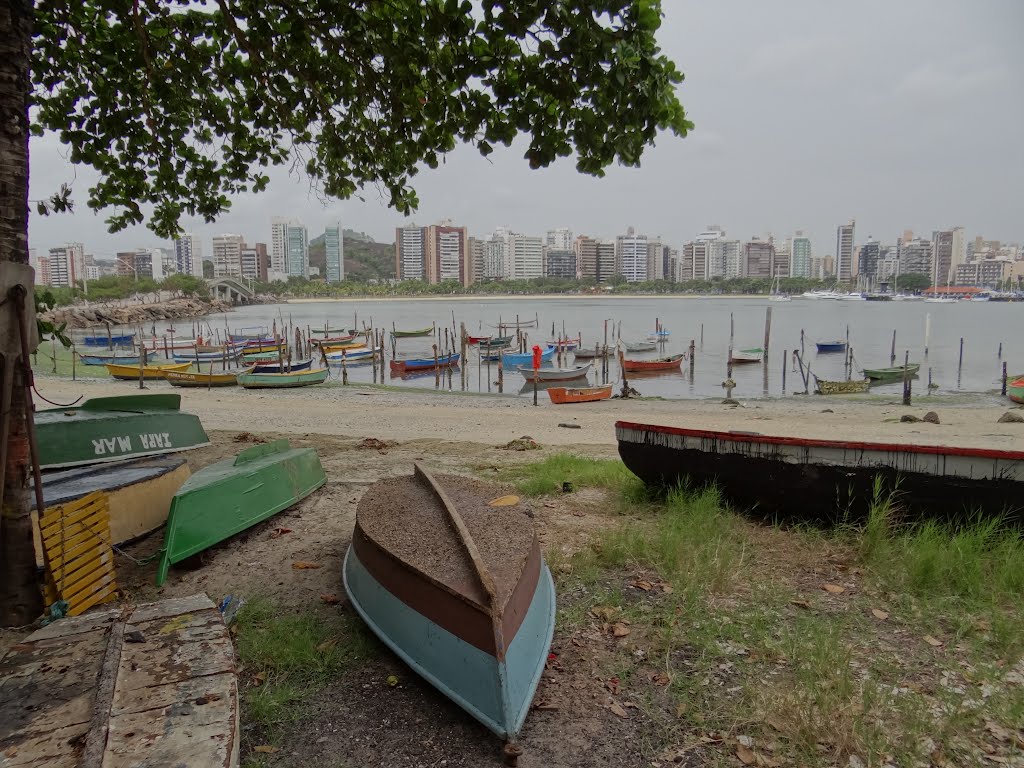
(366, 411)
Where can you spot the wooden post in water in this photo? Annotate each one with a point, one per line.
(142, 360)
(622, 368)
(892, 352)
(693, 354)
(437, 369)
(960, 364)
(767, 330)
(344, 367)
(1003, 388)
(929, 381)
(999, 354)
(488, 369)
(906, 378)
(732, 332)
(784, 354)
(802, 349)
(927, 331)
(501, 371)
(535, 388)
(702, 335)
(74, 356)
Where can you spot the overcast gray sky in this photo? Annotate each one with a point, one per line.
(905, 114)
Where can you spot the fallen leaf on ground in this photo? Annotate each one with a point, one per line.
(503, 501)
(392, 681)
(934, 642)
(266, 749)
(304, 565)
(619, 711)
(327, 645)
(660, 679)
(746, 755)
(330, 599)
(259, 678)
(665, 587)
(983, 624)
(544, 704)
(879, 614)
(833, 589)
(681, 710)
(775, 722)
(619, 629)
(800, 604)
(644, 585)
(612, 684)
(279, 532)
(605, 612)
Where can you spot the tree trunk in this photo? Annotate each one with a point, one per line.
(20, 598)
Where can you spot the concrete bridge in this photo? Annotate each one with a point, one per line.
(231, 289)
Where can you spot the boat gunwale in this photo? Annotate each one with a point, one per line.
(807, 442)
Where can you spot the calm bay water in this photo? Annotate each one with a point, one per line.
(983, 327)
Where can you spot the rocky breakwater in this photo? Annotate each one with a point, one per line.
(133, 314)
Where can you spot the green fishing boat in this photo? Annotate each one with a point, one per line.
(1015, 390)
(282, 380)
(412, 334)
(232, 495)
(891, 374)
(116, 428)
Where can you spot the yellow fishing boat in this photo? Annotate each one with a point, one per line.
(131, 372)
(343, 345)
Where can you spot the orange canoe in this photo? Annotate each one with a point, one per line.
(663, 364)
(562, 395)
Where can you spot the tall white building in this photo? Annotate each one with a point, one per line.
(714, 262)
(334, 250)
(227, 255)
(66, 265)
(494, 261)
(278, 236)
(188, 255)
(410, 252)
(297, 250)
(526, 257)
(631, 255)
(844, 251)
(560, 239)
(800, 250)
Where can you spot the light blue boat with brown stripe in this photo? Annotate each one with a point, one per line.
(458, 588)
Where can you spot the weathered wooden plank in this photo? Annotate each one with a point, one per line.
(56, 748)
(66, 629)
(99, 725)
(171, 607)
(189, 692)
(196, 647)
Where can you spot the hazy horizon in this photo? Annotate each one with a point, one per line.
(899, 115)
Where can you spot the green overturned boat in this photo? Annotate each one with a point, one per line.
(114, 429)
(891, 374)
(230, 496)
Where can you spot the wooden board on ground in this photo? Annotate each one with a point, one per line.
(152, 685)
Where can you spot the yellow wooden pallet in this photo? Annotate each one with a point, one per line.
(75, 540)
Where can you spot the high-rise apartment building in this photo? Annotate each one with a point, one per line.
(494, 258)
(66, 265)
(475, 249)
(526, 257)
(278, 248)
(942, 257)
(916, 257)
(227, 255)
(758, 258)
(585, 249)
(870, 256)
(959, 249)
(631, 256)
(844, 251)
(560, 239)
(188, 255)
(334, 252)
(446, 253)
(606, 261)
(561, 264)
(255, 262)
(297, 250)
(694, 261)
(800, 255)
(410, 252)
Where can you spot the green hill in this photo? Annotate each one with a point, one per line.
(365, 259)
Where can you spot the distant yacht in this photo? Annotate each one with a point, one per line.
(940, 300)
(853, 296)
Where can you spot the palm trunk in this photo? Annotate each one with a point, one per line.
(20, 598)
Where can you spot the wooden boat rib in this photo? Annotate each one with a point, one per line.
(256, 380)
(232, 495)
(661, 364)
(149, 372)
(752, 355)
(556, 374)
(200, 379)
(827, 479)
(878, 374)
(826, 387)
(473, 613)
(106, 429)
(424, 363)
(412, 334)
(566, 395)
(1015, 390)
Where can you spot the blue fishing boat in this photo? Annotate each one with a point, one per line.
(352, 355)
(124, 357)
(516, 359)
(207, 357)
(830, 346)
(278, 367)
(122, 340)
(460, 593)
(424, 363)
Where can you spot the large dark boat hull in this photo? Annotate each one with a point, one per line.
(828, 480)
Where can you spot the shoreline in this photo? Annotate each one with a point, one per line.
(417, 415)
(530, 297)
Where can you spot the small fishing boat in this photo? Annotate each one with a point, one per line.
(138, 492)
(339, 346)
(803, 478)
(232, 495)
(639, 346)
(149, 372)
(457, 588)
(231, 349)
(940, 300)
(115, 357)
(114, 340)
(206, 357)
(826, 387)
(495, 341)
(327, 331)
(199, 379)
(474, 340)
(661, 334)
(352, 355)
(1015, 390)
(889, 374)
(116, 428)
(517, 359)
(661, 364)
(494, 353)
(251, 333)
(282, 366)
(555, 374)
(565, 344)
(329, 340)
(255, 380)
(262, 357)
(255, 347)
(164, 343)
(591, 353)
(752, 355)
(564, 395)
(412, 334)
(830, 346)
(424, 363)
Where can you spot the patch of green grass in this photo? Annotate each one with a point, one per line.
(546, 476)
(291, 656)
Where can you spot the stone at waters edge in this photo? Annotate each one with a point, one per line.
(1010, 418)
(909, 418)
(931, 417)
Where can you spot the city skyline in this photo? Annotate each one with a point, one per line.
(936, 152)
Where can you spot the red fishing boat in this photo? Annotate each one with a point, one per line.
(563, 395)
(661, 364)
(473, 340)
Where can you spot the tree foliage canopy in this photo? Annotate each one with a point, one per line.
(180, 105)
